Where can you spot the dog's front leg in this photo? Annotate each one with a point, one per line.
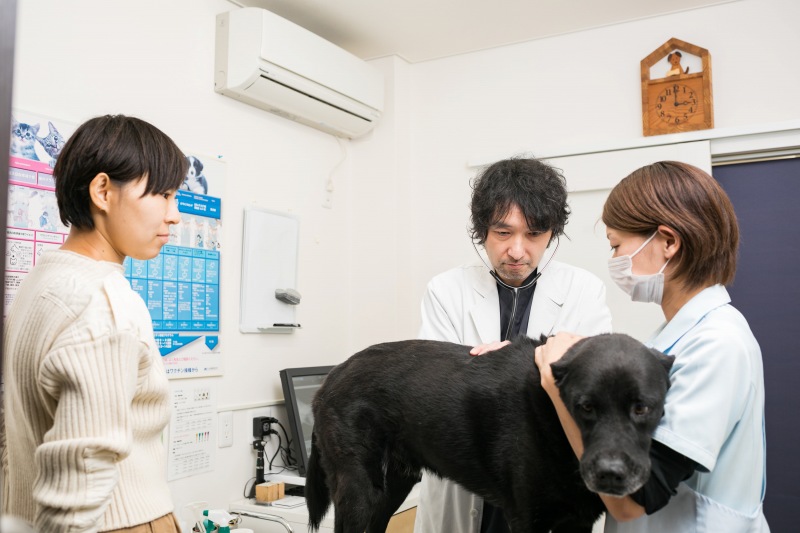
(523, 522)
(572, 526)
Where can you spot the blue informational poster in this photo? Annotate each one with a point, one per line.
(181, 285)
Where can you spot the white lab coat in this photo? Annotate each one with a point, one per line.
(462, 306)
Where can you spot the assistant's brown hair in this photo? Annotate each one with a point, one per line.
(694, 205)
(125, 148)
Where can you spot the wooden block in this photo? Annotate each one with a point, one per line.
(269, 492)
(402, 522)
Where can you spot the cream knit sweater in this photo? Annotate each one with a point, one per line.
(86, 401)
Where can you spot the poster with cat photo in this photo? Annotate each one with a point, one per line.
(33, 224)
(36, 141)
(180, 286)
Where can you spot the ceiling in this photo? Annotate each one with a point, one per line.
(420, 30)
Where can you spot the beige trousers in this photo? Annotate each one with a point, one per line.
(166, 524)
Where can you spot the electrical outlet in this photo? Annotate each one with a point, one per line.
(225, 435)
(252, 413)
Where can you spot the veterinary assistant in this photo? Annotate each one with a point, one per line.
(674, 237)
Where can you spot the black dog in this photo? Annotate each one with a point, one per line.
(394, 409)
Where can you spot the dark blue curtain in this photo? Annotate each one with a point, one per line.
(766, 197)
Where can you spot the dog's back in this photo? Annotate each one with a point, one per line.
(424, 397)
(395, 409)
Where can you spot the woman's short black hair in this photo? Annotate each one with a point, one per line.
(125, 148)
(539, 190)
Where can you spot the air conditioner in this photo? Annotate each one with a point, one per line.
(271, 63)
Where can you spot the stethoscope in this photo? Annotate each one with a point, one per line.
(515, 290)
(521, 287)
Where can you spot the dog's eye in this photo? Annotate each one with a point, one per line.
(640, 409)
(586, 407)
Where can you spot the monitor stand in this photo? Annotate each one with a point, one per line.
(293, 485)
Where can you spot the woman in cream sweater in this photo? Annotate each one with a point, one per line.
(86, 395)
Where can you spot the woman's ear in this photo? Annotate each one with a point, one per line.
(672, 241)
(99, 189)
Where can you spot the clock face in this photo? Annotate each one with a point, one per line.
(677, 104)
(680, 101)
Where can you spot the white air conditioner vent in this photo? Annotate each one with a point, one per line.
(271, 63)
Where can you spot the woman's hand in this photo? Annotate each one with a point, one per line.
(550, 352)
(482, 349)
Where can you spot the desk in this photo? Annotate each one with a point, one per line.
(402, 522)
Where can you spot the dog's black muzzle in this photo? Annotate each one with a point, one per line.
(615, 472)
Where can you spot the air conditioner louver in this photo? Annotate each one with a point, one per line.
(271, 63)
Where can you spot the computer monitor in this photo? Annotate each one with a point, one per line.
(299, 387)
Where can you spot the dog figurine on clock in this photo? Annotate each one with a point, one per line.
(680, 101)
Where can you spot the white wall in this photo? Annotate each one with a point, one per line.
(154, 59)
(400, 205)
(576, 90)
(381, 204)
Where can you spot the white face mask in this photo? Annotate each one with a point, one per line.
(641, 288)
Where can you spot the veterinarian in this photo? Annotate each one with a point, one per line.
(86, 394)
(674, 237)
(518, 208)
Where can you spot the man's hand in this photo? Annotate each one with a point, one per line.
(482, 349)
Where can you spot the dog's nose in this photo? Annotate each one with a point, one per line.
(611, 472)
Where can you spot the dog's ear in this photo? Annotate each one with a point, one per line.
(540, 341)
(560, 369)
(665, 360)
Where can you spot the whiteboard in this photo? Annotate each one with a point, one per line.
(269, 262)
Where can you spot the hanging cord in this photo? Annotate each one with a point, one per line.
(328, 203)
(287, 455)
(277, 450)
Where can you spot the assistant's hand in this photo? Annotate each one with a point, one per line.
(550, 352)
(490, 347)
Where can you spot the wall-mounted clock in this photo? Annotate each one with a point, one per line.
(680, 101)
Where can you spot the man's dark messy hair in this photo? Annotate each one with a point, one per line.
(539, 190)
